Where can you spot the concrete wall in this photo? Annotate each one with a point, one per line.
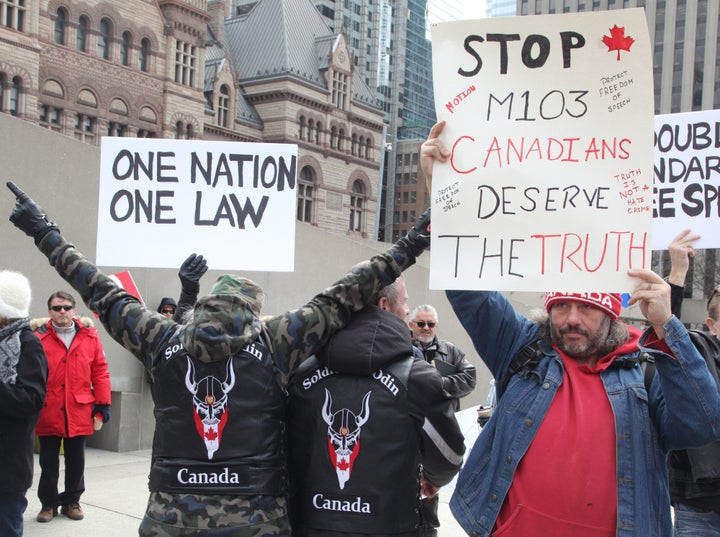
(61, 174)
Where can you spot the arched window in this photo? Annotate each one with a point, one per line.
(341, 140)
(3, 80)
(311, 130)
(353, 144)
(357, 198)
(125, 47)
(82, 31)
(178, 130)
(143, 60)
(223, 106)
(61, 18)
(104, 39)
(333, 137)
(306, 190)
(318, 131)
(188, 132)
(301, 128)
(367, 148)
(15, 90)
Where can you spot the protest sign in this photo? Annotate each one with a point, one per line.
(687, 177)
(550, 125)
(232, 202)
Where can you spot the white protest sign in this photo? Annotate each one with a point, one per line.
(550, 124)
(687, 177)
(161, 200)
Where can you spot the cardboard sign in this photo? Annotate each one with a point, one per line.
(232, 202)
(687, 177)
(549, 120)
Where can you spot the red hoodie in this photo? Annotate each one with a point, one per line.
(565, 485)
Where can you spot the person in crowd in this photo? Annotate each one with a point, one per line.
(23, 377)
(695, 473)
(191, 270)
(459, 377)
(218, 462)
(363, 443)
(167, 307)
(78, 390)
(577, 444)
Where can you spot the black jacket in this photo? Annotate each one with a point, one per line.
(20, 404)
(460, 377)
(695, 473)
(395, 405)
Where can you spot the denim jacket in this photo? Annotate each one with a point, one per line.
(682, 410)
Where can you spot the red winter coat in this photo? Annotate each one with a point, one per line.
(78, 379)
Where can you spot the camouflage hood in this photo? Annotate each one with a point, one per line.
(225, 320)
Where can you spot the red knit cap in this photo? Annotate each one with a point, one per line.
(610, 303)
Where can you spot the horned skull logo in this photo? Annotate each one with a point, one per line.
(210, 399)
(343, 438)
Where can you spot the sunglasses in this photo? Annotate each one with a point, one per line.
(61, 308)
(168, 311)
(422, 324)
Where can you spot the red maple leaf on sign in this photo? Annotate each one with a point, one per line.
(617, 40)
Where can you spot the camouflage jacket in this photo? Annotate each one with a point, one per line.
(292, 336)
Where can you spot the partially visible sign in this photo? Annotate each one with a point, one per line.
(687, 177)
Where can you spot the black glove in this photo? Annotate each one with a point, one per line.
(191, 271)
(103, 410)
(28, 216)
(418, 238)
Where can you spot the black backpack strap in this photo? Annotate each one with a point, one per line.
(526, 359)
(647, 363)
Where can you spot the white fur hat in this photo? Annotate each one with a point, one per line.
(14, 295)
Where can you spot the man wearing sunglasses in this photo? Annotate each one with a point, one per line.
(78, 389)
(458, 380)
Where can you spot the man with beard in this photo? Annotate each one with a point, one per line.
(577, 444)
(458, 380)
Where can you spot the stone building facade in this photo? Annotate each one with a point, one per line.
(270, 72)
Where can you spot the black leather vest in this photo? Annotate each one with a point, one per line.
(353, 451)
(219, 426)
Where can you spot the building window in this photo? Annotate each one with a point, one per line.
(125, 47)
(306, 189)
(144, 54)
(341, 140)
(15, 93)
(116, 129)
(185, 63)
(223, 106)
(144, 133)
(104, 39)
(353, 144)
(50, 117)
(3, 79)
(84, 128)
(82, 31)
(318, 132)
(333, 137)
(339, 90)
(61, 18)
(356, 206)
(12, 14)
(301, 128)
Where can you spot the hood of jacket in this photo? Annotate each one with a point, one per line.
(166, 301)
(36, 323)
(374, 338)
(221, 326)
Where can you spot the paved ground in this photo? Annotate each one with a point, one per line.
(115, 497)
